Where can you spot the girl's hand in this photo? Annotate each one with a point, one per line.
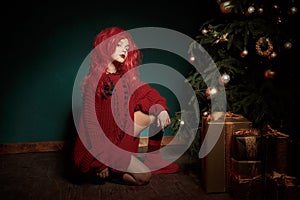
(163, 120)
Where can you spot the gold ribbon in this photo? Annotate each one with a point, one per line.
(247, 132)
(283, 178)
(250, 146)
(221, 115)
(230, 114)
(247, 180)
(272, 132)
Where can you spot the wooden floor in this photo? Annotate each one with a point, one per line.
(46, 175)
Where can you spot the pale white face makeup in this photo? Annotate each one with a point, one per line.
(121, 51)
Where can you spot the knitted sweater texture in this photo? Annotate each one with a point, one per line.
(106, 123)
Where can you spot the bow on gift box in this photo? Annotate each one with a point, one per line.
(214, 116)
(250, 180)
(278, 149)
(272, 132)
(230, 114)
(247, 132)
(250, 138)
(284, 179)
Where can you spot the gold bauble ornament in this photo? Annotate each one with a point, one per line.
(224, 79)
(294, 10)
(226, 7)
(192, 58)
(205, 114)
(269, 74)
(244, 53)
(288, 45)
(260, 10)
(249, 11)
(272, 55)
(211, 91)
(204, 31)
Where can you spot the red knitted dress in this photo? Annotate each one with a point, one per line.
(128, 94)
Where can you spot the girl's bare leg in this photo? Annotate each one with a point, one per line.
(137, 172)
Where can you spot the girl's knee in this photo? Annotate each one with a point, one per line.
(143, 119)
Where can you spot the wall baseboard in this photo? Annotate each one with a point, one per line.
(30, 147)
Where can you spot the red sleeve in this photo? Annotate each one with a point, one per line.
(148, 100)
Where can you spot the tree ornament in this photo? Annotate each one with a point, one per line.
(272, 55)
(244, 53)
(211, 91)
(224, 79)
(294, 10)
(264, 46)
(269, 74)
(192, 59)
(181, 122)
(260, 10)
(223, 38)
(204, 31)
(205, 114)
(276, 7)
(249, 11)
(279, 20)
(288, 45)
(226, 7)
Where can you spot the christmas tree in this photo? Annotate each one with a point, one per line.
(253, 45)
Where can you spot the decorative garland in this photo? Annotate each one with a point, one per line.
(266, 52)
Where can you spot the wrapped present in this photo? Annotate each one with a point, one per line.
(281, 187)
(246, 144)
(246, 169)
(246, 189)
(277, 151)
(215, 166)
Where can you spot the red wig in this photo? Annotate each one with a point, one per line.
(105, 44)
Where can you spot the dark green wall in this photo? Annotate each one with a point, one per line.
(44, 45)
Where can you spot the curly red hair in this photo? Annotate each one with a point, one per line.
(104, 46)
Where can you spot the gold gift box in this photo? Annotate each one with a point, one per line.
(215, 166)
(247, 189)
(246, 169)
